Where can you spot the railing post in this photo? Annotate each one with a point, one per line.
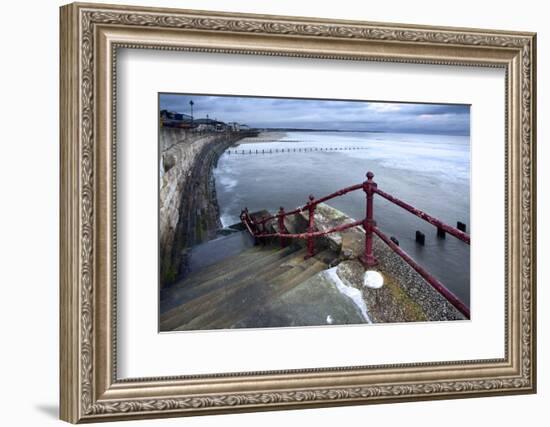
(368, 259)
(311, 227)
(245, 217)
(263, 230)
(242, 217)
(281, 223)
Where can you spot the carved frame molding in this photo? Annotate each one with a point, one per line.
(90, 36)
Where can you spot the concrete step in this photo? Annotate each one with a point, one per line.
(226, 269)
(302, 272)
(216, 250)
(227, 278)
(256, 254)
(315, 301)
(193, 301)
(247, 302)
(228, 305)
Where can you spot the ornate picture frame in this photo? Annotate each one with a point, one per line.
(90, 37)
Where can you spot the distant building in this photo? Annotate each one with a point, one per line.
(181, 120)
(175, 120)
(211, 125)
(234, 126)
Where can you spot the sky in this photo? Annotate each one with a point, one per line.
(325, 114)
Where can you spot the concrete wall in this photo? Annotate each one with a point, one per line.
(189, 212)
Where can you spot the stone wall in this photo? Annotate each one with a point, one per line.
(189, 212)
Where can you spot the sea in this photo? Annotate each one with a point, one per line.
(430, 172)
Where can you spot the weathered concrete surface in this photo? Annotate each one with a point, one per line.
(316, 301)
(386, 304)
(189, 212)
(405, 296)
(238, 291)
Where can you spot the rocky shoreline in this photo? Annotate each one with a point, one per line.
(189, 211)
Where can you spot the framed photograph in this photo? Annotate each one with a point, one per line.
(267, 212)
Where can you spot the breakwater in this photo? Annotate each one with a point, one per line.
(188, 207)
(291, 150)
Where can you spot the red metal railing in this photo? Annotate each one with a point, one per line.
(257, 228)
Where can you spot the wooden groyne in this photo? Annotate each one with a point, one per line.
(263, 151)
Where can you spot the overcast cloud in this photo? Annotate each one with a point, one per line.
(321, 114)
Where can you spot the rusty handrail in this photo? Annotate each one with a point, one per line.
(308, 235)
(423, 215)
(315, 202)
(246, 222)
(369, 225)
(337, 194)
(374, 189)
(436, 284)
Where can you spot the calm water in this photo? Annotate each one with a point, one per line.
(431, 172)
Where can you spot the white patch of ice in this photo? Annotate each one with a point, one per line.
(345, 289)
(373, 279)
(330, 319)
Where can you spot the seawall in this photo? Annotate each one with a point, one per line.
(189, 212)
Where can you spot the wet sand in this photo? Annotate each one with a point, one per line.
(263, 137)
